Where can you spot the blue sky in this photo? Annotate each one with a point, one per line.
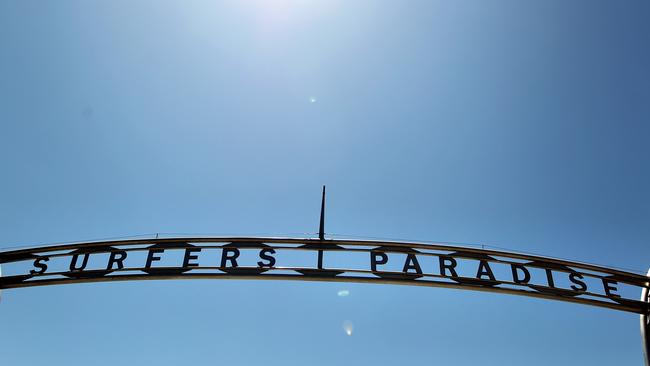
(522, 125)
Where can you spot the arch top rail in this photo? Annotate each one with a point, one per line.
(365, 261)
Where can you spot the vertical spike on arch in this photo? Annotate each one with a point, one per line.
(321, 228)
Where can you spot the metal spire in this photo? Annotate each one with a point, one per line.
(321, 229)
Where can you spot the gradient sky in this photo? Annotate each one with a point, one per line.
(516, 124)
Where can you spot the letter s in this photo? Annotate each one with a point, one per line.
(264, 255)
(38, 263)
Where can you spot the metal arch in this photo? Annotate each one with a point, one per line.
(315, 243)
(321, 272)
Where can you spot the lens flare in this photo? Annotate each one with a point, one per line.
(343, 293)
(348, 327)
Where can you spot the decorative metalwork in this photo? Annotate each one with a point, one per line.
(384, 262)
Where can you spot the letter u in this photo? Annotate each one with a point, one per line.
(73, 262)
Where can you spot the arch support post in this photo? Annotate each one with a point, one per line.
(645, 326)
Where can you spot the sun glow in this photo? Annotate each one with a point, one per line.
(281, 14)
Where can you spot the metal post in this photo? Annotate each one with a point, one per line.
(645, 325)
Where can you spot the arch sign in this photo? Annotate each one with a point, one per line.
(330, 260)
(385, 262)
(416, 264)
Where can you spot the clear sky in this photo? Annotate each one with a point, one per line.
(518, 124)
